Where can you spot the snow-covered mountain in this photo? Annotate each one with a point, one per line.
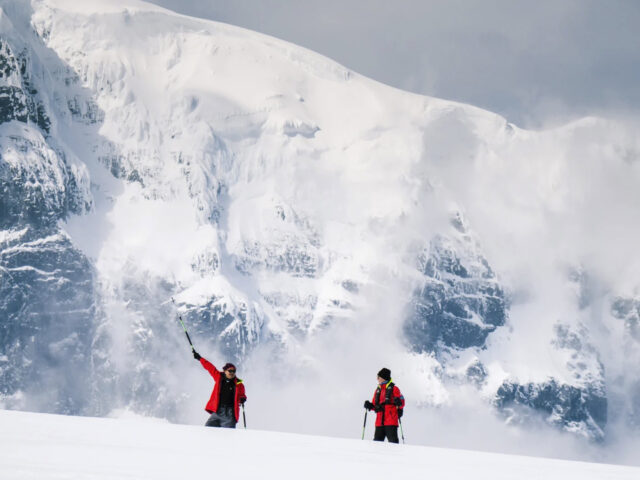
(309, 223)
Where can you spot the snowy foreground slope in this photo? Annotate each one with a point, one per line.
(313, 226)
(42, 446)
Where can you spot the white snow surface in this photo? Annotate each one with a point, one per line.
(42, 447)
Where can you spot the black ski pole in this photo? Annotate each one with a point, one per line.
(365, 422)
(184, 328)
(244, 418)
(401, 432)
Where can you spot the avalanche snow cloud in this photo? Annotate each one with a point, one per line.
(309, 223)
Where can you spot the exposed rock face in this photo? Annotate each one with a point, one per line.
(37, 186)
(577, 404)
(47, 306)
(46, 284)
(236, 326)
(19, 98)
(581, 410)
(628, 310)
(461, 301)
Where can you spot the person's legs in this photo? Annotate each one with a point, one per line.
(378, 436)
(213, 421)
(392, 433)
(228, 419)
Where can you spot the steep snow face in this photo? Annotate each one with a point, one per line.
(280, 198)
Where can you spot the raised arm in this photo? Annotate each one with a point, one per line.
(209, 367)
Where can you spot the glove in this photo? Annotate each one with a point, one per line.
(397, 402)
(368, 405)
(400, 412)
(242, 400)
(196, 355)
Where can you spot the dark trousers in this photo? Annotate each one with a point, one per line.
(224, 417)
(388, 431)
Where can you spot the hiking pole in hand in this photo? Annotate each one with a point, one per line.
(401, 432)
(365, 422)
(184, 328)
(244, 418)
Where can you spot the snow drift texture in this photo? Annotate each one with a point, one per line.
(105, 448)
(308, 222)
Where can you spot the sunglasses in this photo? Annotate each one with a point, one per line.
(231, 370)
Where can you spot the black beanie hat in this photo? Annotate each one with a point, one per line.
(228, 366)
(385, 373)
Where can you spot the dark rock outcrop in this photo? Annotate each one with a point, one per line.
(46, 284)
(582, 410)
(460, 302)
(579, 405)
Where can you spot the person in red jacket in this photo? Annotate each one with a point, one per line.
(388, 403)
(227, 395)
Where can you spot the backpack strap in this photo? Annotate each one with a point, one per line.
(377, 399)
(388, 393)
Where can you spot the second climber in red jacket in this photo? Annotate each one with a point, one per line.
(388, 403)
(227, 395)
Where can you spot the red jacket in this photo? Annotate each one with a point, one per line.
(388, 415)
(212, 405)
